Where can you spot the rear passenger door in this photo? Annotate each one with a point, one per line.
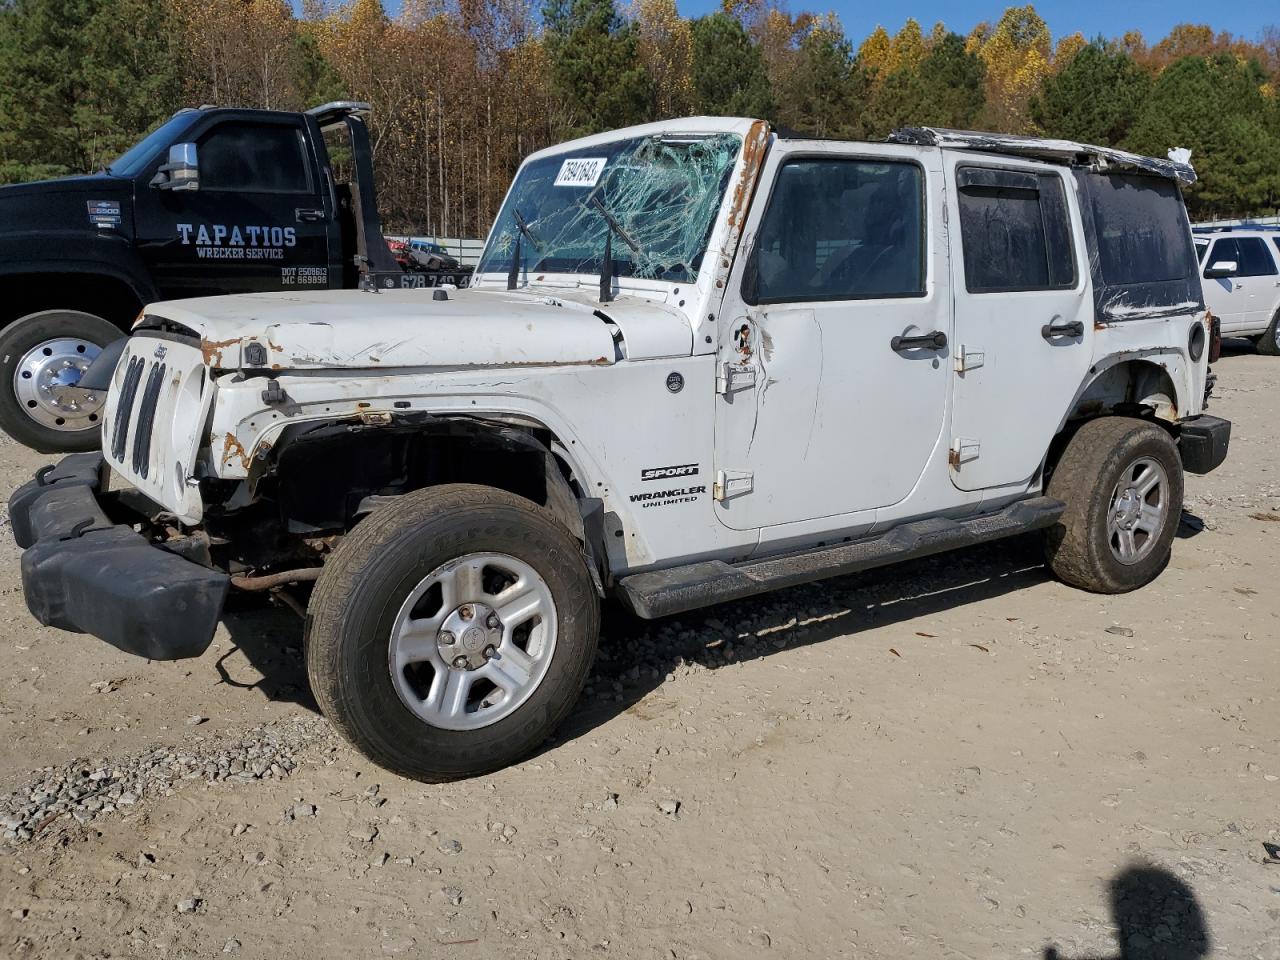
(1023, 318)
(1259, 275)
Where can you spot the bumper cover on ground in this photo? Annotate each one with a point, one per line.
(83, 573)
(1203, 441)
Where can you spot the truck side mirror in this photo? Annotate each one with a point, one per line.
(1223, 268)
(182, 172)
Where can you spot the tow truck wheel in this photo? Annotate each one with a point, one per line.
(42, 357)
(1269, 343)
(1121, 479)
(452, 631)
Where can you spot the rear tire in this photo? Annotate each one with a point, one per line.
(452, 631)
(1269, 343)
(1121, 479)
(41, 356)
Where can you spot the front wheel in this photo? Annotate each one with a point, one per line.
(42, 357)
(452, 631)
(1121, 479)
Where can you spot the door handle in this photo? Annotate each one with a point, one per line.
(1073, 329)
(308, 214)
(928, 341)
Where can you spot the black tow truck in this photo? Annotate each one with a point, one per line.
(214, 201)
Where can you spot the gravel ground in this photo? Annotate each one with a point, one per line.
(953, 758)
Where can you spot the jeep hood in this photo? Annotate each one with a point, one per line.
(410, 328)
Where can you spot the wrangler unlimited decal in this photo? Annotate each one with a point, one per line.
(664, 498)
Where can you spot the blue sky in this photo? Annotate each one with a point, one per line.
(1091, 17)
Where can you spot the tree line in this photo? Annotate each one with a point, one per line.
(462, 90)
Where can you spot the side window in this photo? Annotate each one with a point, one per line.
(1255, 258)
(255, 158)
(840, 230)
(1202, 247)
(1015, 230)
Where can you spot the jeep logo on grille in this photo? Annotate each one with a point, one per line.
(161, 351)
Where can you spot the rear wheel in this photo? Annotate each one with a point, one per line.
(1269, 342)
(42, 357)
(452, 631)
(1121, 480)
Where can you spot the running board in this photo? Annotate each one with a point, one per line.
(661, 593)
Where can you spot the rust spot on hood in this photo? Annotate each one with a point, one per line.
(211, 350)
(231, 447)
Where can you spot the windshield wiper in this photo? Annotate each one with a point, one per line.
(522, 229)
(606, 263)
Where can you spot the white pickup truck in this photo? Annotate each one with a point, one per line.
(698, 361)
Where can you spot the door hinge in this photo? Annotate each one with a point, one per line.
(969, 359)
(731, 483)
(962, 451)
(734, 376)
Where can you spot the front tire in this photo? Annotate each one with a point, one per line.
(42, 357)
(452, 631)
(1269, 343)
(1121, 479)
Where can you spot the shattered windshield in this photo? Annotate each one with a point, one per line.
(662, 194)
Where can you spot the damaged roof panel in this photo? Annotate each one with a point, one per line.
(1044, 149)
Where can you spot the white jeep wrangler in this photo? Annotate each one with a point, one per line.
(699, 361)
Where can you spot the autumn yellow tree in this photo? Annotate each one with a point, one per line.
(666, 50)
(1016, 53)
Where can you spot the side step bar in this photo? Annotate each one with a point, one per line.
(661, 593)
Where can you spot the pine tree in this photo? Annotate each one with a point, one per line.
(945, 90)
(595, 65)
(827, 90)
(729, 77)
(76, 89)
(1216, 108)
(1095, 99)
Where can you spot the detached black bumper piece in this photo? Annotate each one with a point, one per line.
(1204, 441)
(81, 572)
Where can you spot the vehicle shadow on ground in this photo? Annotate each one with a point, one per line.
(636, 656)
(1157, 917)
(1237, 347)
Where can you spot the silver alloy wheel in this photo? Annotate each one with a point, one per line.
(1138, 511)
(46, 379)
(473, 641)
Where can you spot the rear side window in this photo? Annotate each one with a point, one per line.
(255, 158)
(840, 230)
(1255, 259)
(1142, 256)
(1015, 231)
(1141, 231)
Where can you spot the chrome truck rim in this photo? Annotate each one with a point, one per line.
(1139, 508)
(46, 383)
(473, 641)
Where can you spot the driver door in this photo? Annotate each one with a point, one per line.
(834, 351)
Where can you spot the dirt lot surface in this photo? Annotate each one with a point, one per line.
(955, 758)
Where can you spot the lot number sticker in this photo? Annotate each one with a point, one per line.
(580, 171)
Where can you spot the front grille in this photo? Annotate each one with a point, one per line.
(145, 420)
(124, 408)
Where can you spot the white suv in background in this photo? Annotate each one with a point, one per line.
(1241, 271)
